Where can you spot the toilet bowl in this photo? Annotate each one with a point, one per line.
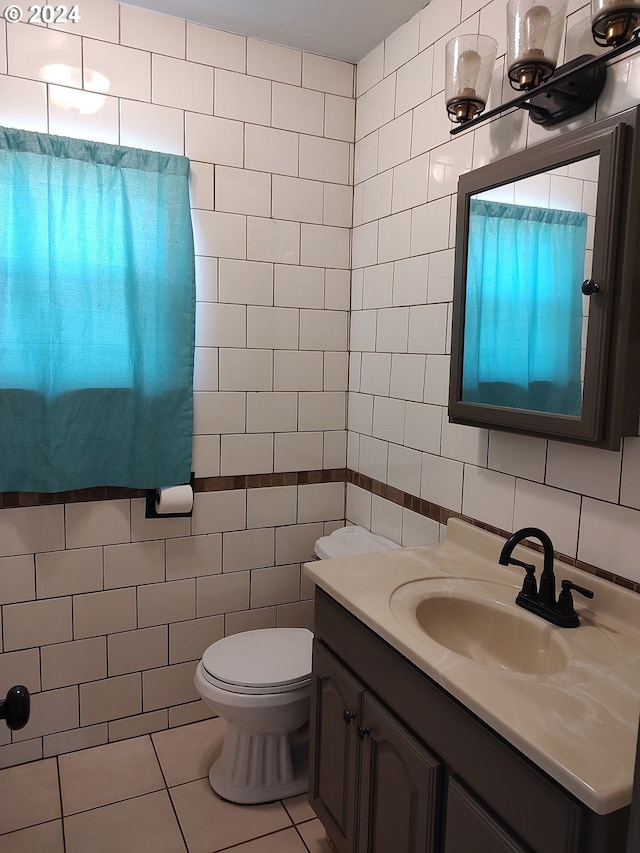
(260, 683)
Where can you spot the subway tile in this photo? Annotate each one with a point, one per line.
(274, 62)
(410, 183)
(119, 70)
(377, 289)
(294, 544)
(320, 502)
(27, 529)
(21, 753)
(364, 245)
(327, 75)
(250, 620)
(370, 69)
(407, 376)
(201, 185)
(386, 518)
(428, 328)
(99, 19)
(392, 333)
(192, 556)
(268, 149)
(361, 413)
(376, 196)
(298, 614)
(372, 459)
(358, 506)
(65, 664)
(297, 199)
(176, 83)
(489, 496)
(221, 325)
(51, 712)
(273, 240)
(401, 45)
(438, 19)
(192, 712)
(520, 455)
(214, 47)
(430, 126)
(248, 549)
(246, 370)
(324, 246)
(336, 371)
(555, 511)
(630, 485)
(277, 585)
(299, 287)
(140, 724)
(271, 507)
(410, 277)
(323, 330)
(170, 685)
(206, 279)
(441, 276)
(214, 140)
(242, 191)
(446, 164)
(337, 287)
(366, 157)
(298, 451)
(160, 603)
(133, 564)
(394, 142)
(68, 572)
(436, 383)
(134, 651)
(338, 203)
(609, 537)
(388, 419)
(219, 234)
(272, 411)
(71, 741)
(339, 118)
(21, 667)
(241, 97)
(151, 127)
(297, 371)
(205, 369)
(221, 594)
(465, 443)
(395, 237)
(39, 53)
(422, 427)
(319, 411)
(586, 470)
(17, 579)
(375, 107)
(152, 31)
(206, 455)
(23, 103)
(102, 701)
(376, 373)
(189, 640)
(97, 523)
(83, 115)
(418, 530)
(335, 449)
(441, 481)
(246, 454)
(100, 613)
(215, 512)
(430, 227)
(36, 623)
(272, 328)
(297, 109)
(143, 529)
(246, 282)
(324, 159)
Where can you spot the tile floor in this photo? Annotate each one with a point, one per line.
(150, 794)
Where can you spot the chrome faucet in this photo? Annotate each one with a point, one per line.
(542, 601)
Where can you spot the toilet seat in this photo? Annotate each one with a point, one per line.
(264, 661)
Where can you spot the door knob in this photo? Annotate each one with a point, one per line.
(16, 707)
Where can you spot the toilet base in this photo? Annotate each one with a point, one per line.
(255, 767)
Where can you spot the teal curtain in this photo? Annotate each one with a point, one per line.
(523, 309)
(97, 308)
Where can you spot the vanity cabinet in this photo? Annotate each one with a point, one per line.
(374, 783)
(397, 764)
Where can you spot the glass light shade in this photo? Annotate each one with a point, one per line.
(534, 32)
(613, 21)
(469, 64)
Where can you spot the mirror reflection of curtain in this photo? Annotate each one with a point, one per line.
(523, 309)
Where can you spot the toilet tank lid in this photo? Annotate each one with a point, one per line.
(352, 540)
(266, 657)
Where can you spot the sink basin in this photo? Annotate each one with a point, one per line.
(480, 621)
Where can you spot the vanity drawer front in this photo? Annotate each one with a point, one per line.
(510, 784)
(470, 828)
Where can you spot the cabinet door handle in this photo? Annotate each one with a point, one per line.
(363, 732)
(347, 716)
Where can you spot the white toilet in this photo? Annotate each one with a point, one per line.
(260, 683)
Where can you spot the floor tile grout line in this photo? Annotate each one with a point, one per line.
(170, 798)
(62, 826)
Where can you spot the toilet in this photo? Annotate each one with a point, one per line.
(260, 683)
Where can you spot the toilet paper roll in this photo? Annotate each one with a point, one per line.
(172, 499)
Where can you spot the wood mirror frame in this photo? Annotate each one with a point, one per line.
(611, 392)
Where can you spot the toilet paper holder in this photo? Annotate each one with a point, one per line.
(151, 509)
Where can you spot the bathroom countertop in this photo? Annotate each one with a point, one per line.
(580, 724)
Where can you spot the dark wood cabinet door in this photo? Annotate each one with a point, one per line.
(333, 753)
(399, 794)
(470, 829)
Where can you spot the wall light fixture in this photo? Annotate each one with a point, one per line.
(534, 31)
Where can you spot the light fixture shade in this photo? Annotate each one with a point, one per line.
(469, 64)
(613, 21)
(534, 32)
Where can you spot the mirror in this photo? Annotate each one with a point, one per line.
(538, 279)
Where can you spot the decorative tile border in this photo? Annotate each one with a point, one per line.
(442, 515)
(298, 478)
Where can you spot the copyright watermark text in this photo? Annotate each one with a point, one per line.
(42, 14)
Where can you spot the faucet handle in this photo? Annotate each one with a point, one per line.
(565, 599)
(529, 586)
